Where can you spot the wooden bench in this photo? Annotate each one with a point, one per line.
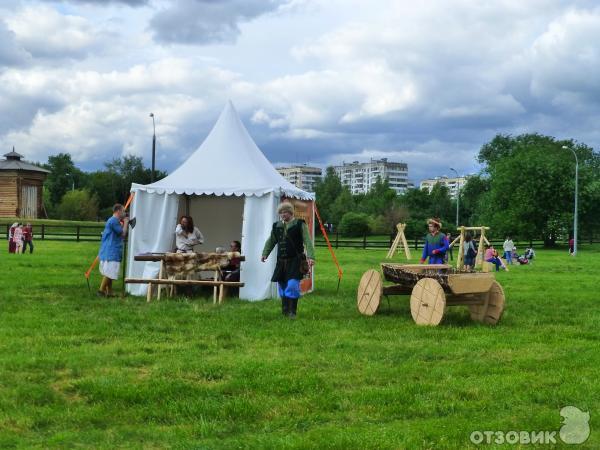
(154, 281)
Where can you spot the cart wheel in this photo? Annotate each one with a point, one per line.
(427, 302)
(370, 290)
(491, 312)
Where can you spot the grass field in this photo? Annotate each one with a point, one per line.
(82, 372)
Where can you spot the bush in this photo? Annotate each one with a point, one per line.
(354, 224)
(379, 225)
(78, 205)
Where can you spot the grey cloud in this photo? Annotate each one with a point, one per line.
(206, 21)
(11, 53)
(104, 2)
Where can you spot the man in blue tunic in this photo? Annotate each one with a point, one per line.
(436, 243)
(111, 249)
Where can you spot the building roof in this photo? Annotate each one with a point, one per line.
(13, 162)
(228, 162)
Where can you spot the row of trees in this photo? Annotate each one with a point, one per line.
(525, 189)
(70, 193)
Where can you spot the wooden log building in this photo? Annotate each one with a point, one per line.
(21, 187)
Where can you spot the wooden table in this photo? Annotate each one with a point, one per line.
(161, 282)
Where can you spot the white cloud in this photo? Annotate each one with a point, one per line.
(45, 33)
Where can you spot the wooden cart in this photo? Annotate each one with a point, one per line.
(432, 288)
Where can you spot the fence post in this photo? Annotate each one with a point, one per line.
(43, 231)
(78, 231)
(337, 235)
(365, 242)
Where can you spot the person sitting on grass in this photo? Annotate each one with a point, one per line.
(436, 244)
(529, 253)
(111, 249)
(491, 256)
(187, 235)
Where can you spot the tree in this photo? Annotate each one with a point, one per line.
(343, 204)
(472, 198)
(78, 205)
(63, 174)
(379, 199)
(130, 169)
(531, 185)
(354, 224)
(327, 190)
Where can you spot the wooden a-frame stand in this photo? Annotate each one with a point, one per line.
(400, 237)
(461, 250)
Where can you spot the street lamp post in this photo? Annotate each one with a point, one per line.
(153, 147)
(576, 192)
(457, 194)
(72, 180)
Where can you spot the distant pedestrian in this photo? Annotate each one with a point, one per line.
(571, 246)
(11, 232)
(508, 249)
(28, 238)
(469, 252)
(18, 238)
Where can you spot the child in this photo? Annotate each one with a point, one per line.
(436, 244)
(18, 239)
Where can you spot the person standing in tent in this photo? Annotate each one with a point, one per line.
(436, 243)
(292, 238)
(111, 249)
(187, 235)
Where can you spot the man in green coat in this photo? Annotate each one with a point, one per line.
(292, 238)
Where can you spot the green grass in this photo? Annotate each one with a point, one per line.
(79, 371)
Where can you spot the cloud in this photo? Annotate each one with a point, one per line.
(103, 2)
(11, 52)
(207, 21)
(45, 33)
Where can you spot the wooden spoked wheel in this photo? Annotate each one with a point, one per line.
(427, 302)
(370, 290)
(491, 309)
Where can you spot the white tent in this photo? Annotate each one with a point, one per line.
(231, 191)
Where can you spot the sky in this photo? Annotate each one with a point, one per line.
(315, 81)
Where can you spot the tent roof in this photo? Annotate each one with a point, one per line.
(227, 163)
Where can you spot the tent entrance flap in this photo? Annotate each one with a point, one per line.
(219, 219)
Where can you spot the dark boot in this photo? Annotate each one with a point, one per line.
(293, 308)
(285, 306)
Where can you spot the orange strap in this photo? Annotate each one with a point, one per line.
(89, 271)
(340, 272)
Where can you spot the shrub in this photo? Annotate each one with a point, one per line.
(78, 205)
(354, 224)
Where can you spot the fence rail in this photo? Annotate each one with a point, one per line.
(77, 233)
(93, 233)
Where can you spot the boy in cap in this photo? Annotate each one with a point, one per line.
(436, 243)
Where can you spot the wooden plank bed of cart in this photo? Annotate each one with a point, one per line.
(433, 288)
